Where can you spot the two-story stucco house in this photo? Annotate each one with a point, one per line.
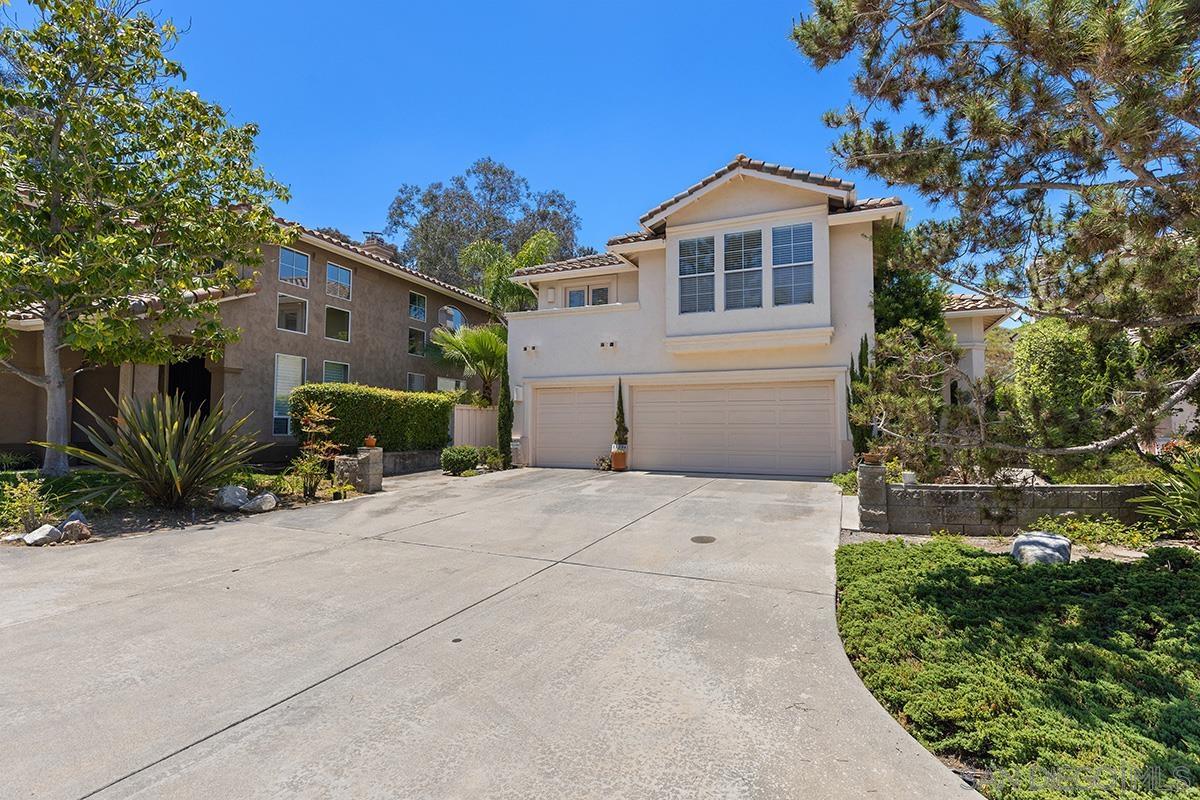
(730, 317)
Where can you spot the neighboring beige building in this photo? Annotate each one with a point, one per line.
(730, 317)
(321, 310)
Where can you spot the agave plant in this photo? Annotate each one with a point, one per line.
(1175, 500)
(167, 454)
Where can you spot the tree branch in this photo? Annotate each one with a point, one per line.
(36, 380)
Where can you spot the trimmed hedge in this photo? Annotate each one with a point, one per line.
(459, 459)
(399, 420)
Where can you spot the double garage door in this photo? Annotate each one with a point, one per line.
(763, 429)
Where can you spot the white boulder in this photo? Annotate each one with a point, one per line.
(231, 498)
(264, 502)
(47, 534)
(1039, 547)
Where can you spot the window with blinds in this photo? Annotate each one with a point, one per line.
(743, 270)
(696, 266)
(792, 264)
(336, 372)
(289, 373)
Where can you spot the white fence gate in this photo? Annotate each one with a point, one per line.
(475, 426)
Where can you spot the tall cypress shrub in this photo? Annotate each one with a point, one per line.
(504, 419)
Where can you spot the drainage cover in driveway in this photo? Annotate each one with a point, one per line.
(704, 539)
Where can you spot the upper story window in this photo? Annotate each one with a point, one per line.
(292, 314)
(416, 342)
(293, 267)
(416, 306)
(792, 264)
(743, 270)
(337, 281)
(590, 295)
(337, 324)
(451, 318)
(696, 260)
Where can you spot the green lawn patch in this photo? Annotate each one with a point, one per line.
(1074, 681)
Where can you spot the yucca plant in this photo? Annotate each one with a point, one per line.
(167, 454)
(1175, 500)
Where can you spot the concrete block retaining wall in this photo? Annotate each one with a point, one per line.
(980, 510)
(406, 461)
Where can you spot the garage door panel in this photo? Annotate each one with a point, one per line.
(573, 425)
(783, 429)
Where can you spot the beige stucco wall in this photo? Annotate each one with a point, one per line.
(379, 321)
(563, 346)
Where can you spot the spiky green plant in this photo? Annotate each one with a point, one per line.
(167, 454)
(1175, 500)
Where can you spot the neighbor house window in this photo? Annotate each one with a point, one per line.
(336, 372)
(337, 324)
(696, 257)
(416, 382)
(416, 306)
(416, 342)
(289, 373)
(451, 318)
(292, 314)
(593, 295)
(337, 281)
(450, 384)
(293, 267)
(743, 270)
(792, 264)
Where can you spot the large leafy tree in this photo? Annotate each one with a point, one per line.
(123, 197)
(496, 265)
(1062, 139)
(489, 202)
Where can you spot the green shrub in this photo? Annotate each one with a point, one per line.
(1103, 529)
(458, 459)
(468, 473)
(164, 453)
(25, 505)
(1175, 500)
(14, 461)
(1089, 671)
(1116, 468)
(491, 457)
(398, 420)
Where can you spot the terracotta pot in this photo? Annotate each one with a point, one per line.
(874, 459)
(620, 458)
(369, 441)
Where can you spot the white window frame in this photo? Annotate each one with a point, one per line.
(711, 274)
(304, 300)
(424, 342)
(743, 271)
(408, 382)
(811, 264)
(424, 309)
(349, 282)
(588, 288)
(307, 268)
(349, 323)
(275, 392)
(459, 384)
(325, 368)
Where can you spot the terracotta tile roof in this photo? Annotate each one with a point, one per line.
(636, 236)
(334, 241)
(868, 204)
(582, 262)
(973, 302)
(742, 161)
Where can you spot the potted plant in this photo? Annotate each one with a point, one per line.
(621, 436)
(369, 440)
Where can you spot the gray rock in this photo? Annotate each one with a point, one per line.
(76, 531)
(11, 538)
(75, 516)
(47, 534)
(264, 502)
(231, 498)
(1039, 547)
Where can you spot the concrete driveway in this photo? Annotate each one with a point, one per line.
(536, 633)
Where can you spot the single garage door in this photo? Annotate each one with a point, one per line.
(573, 425)
(762, 429)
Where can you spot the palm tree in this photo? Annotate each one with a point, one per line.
(480, 351)
(496, 265)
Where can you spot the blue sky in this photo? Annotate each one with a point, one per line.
(618, 104)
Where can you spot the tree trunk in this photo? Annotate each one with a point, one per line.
(58, 410)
